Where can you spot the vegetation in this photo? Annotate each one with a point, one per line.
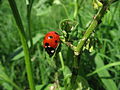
(88, 57)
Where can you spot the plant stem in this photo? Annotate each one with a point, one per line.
(29, 7)
(68, 44)
(77, 6)
(76, 9)
(91, 28)
(66, 12)
(86, 35)
(24, 43)
(61, 60)
(27, 62)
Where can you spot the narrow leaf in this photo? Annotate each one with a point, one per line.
(104, 74)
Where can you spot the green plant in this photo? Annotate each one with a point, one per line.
(90, 45)
(24, 43)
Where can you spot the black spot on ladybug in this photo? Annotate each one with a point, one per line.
(50, 37)
(46, 44)
(56, 41)
(56, 33)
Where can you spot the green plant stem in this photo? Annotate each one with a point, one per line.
(27, 62)
(16, 16)
(77, 6)
(69, 44)
(61, 60)
(65, 10)
(29, 30)
(76, 9)
(24, 43)
(75, 63)
(29, 7)
(86, 35)
(91, 28)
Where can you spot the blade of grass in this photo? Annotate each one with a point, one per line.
(103, 68)
(5, 77)
(24, 43)
(29, 7)
(104, 74)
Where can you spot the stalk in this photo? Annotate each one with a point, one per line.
(95, 22)
(29, 8)
(24, 43)
(76, 9)
(85, 37)
(61, 60)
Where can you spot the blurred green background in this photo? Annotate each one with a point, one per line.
(46, 16)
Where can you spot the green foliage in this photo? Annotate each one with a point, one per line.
(98, 70)
(5, 78)
(104, 74)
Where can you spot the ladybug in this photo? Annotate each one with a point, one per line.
(51, 42)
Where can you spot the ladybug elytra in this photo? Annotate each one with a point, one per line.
(51, 41)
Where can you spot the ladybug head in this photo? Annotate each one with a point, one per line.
(51, 41)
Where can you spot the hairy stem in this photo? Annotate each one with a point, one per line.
(94, 23)
(96, 20)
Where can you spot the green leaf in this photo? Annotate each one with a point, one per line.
(21, 54)
(107, 18)
(7, 86)
(108, 82)
(78, 83)
(5, 78)
(82, 83)
(50, 87)
(104, 67)
(68, 25)
(38, 87)
(42, 7)
(67, 74)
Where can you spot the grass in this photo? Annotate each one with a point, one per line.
(94, 70)
(23, 38)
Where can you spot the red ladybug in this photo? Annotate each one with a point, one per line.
(51, 41)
